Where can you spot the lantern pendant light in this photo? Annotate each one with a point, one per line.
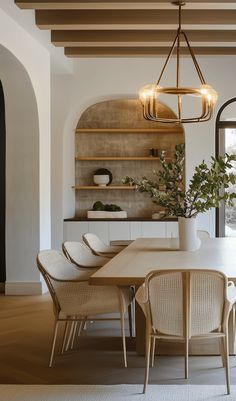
(149, 94)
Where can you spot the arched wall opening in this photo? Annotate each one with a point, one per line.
(123, 111)
(2, 191)
(225, 142)
(22, 177)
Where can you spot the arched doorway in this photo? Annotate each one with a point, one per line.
(3, 190)
(22, 177)
(225, 140)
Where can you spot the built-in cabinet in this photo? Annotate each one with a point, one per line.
(116, 230)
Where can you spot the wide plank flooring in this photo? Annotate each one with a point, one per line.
(26, 325)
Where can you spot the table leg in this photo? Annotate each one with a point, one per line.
(140, 326)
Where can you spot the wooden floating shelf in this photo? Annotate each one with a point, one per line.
(127, 130)
(91, 158)
(96, 187)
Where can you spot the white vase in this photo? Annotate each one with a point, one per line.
(188, 240)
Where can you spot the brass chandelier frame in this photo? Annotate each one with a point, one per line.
(150, 93)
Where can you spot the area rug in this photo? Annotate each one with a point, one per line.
(115, 393)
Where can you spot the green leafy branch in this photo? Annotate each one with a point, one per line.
(207, 188)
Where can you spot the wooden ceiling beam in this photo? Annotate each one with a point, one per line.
(137, 38)
(142, 51)
(129, 19)
(117, 4)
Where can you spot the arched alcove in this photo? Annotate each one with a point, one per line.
(22, 177)
(114, 135)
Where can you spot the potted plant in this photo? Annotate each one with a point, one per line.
(207, 188)
(106, 211)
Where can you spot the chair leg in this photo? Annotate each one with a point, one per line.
(53, 342)
(73, 335)
(84, 323)
(70, 335)
(80, 327)
(64, 337)
(153, 345)
(122, 320)
(226, 343)
(233, 322)
(148, 348)
(222, 351)
(186, 358)
(130, 321)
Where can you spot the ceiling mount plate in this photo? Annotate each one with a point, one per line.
(178, 3)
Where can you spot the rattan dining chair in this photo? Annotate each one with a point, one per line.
(203, 234)
(74, 300)
(82, 256)
(98, 247)
(186, 305)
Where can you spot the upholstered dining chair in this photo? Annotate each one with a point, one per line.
(203, 234)
(98, 247)
(186, 305)
(74, 300)
(82, 256)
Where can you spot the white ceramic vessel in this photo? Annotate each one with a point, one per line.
(188, 240)
(101, 180)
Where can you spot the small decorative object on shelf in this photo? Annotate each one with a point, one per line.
(158, 215)
(153, 152)
(203, 193)
(102, 177)
(108, 211)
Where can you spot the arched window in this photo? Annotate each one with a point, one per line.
(226, 142)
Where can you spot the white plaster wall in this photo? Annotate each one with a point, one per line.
(22, 170)
(29, 224)
(98, 79)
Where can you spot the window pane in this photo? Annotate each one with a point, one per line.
(230, 211)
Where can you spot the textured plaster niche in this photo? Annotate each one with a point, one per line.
(122, 113)
(22, 177)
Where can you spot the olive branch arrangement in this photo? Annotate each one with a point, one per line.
(207, 188)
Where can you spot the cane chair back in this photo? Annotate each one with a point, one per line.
(74, 300)
(185, 305)
(82, 256)
(98, 247)
(56, 270)
(180, 299)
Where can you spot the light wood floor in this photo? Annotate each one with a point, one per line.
(25, 338)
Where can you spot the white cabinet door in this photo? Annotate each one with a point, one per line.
(172, 229)
(135, 229)
(154, 229)
(119, 230)
(73, 230)
(100, 228)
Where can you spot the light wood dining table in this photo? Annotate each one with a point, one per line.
(132, 264)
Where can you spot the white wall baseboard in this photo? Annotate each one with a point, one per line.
(24, 288)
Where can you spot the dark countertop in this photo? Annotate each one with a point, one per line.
(127, 219)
